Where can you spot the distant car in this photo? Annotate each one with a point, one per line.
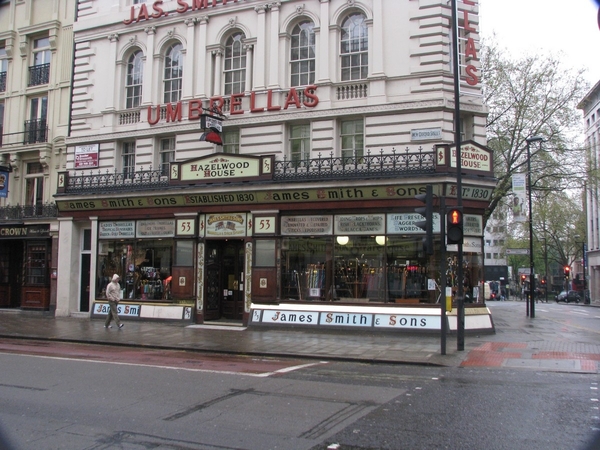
(568, 296)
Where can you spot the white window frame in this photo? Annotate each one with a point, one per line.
(302, 54)
(34, 184)
(173, 73)
(231, 141)
(354, 48)
(299, 141)
(234, 65)
(134, 79)
(166, 154)
(352, 137)
(128, 159)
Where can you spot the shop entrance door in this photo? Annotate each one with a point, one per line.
(224, 280)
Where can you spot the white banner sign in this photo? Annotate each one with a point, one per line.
(520, 199)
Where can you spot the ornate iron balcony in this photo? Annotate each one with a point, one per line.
(392, 165)
(35, 131)
(116, 181)
(20, 212)
(39, 74)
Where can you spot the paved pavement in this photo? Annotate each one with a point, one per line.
(519, 342)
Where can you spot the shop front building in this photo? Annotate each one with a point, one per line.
(255, 153)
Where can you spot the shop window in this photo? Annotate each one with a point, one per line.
(354, 48)
(299, 142)
(352, 138)
(145, 268)
(235, 65)
(264, 253)
(359, 268)
(133, 84)
(128, 159)
(302, 54)
(184, 253)
(173, 74)
(39, 72)
(304, 264)
(4, 265)
(167, 154)
(36, 264)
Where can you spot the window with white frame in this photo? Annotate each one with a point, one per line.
(34, 184)
(36, 126)
(173, 73)
(235, 65)
(302, 54)
(352, 138)
(133, 84)
(39, 71)
(354, 48)
(3, 67)
(299, 142)
(128, 158)
(167, 154)
(231, 141)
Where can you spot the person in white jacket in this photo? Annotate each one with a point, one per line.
(113, 295)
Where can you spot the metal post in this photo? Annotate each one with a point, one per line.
(443, 280)
(531, 298)
(460, 311)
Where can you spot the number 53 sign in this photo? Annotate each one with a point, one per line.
(186, 227)
(265, 224)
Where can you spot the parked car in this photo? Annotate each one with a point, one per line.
(568, 296)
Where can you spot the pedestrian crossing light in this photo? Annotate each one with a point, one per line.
(567, 272)
(427, 224)
(454, 226)
(523, 279)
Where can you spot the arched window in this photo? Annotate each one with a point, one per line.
(235, 65)
(173, 74)
(135, 76)
(302, 54)
(354, 48)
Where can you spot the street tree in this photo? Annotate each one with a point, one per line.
(533, 95)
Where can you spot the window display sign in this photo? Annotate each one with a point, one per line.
(155, 228)
(473, 225)
(360, 224)
(122, 230)
(86, 156)
(225, 224)
(405, 223)
(306, 225)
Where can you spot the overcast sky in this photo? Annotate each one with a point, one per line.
(528, 26)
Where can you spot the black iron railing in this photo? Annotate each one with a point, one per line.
(369, 166)
(39, 74)
(403, 163)
(2, 81)
(20, 212)
(35, 131)
(116, 181)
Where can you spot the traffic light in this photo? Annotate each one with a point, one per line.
(523, 277)
(427, 224)
(454, 225)
(567, 271)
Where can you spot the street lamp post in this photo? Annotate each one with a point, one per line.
(531, 298)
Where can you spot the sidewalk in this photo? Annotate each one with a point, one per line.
(538, 343)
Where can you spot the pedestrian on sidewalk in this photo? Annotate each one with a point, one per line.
(113, 295)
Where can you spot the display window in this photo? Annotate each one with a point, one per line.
(145, 268)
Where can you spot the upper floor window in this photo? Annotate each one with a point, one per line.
(36, 128)
(167, 154)
(302, 56)
(173, 74)
(235, 65)
(352, 138)
(39, 72)
(34, 184)
(354, 48)
(135, 76)
(299, 142)
(128, 159)
(231, 141)
(3, 68)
